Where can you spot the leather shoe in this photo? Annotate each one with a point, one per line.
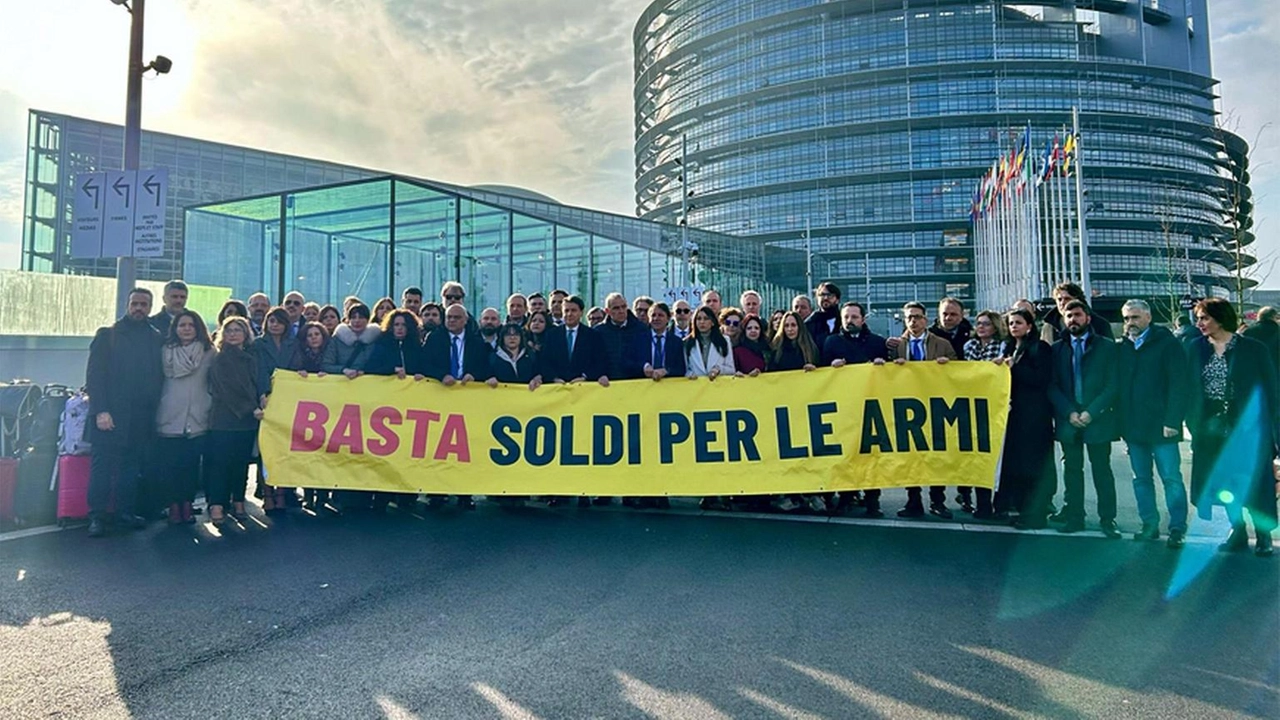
(1262, 547)
(911, 511)
(1149, 532)
(1109, 529)
(1236, 541)
(97, 528)
(873, 512)
(1072, 526)
(1177, 539)
(940, 510)
(1059, 518)
(131, 522)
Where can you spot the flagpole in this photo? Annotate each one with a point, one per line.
(1080, 210)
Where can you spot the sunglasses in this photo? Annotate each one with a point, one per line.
(453, 297)
(683, 311)
(732, 323)
(293, 303)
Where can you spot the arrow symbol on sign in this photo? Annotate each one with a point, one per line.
(153, 187)
(91, 189)
(122, 188)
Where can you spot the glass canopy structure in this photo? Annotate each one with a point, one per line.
(375, 237)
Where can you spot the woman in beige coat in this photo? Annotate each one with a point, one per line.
(182, 418)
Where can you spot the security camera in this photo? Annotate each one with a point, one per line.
(161, 65)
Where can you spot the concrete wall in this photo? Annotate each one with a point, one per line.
(44, 359)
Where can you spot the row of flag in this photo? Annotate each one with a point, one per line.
(1011, 174)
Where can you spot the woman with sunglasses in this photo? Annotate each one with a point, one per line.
(731, 325)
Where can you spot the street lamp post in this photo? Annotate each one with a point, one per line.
(126, 266)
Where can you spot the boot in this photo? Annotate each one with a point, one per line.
(1237, 540)
(1262, 545)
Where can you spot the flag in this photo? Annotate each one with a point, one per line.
(1069, 153)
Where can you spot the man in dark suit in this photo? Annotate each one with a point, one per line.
(617, 334)
(658, 352)
(455, 354)
(584, 352)
(917, 344)
(175, 301)
(1084, 394)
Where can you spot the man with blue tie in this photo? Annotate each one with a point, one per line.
(917, 344)
(583, 359)
(1084, 393)
(658, 352)
(456, 355)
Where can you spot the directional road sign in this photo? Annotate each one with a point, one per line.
(148, 216)
(86, 230)
(119, 214)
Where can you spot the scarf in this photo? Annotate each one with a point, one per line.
(183, 360)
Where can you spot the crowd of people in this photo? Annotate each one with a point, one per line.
(178, 406)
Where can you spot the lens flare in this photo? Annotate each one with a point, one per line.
(1226, 497)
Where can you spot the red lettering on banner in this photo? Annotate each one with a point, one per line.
(348, 432)
(308, 426)
(454, 440)
(389, 441)
(421, 420)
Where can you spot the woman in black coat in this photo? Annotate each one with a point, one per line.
(1234, 416)
(513, 362)
(399, 349)
(1027, 476)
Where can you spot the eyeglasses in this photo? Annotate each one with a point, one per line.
(292, 303)
(914, 317)
(732, 323)
(683, 311)
(453, 297)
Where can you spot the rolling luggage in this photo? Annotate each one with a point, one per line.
(73, 488)
(8, 485)
(34, 499)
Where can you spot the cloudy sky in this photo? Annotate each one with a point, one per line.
(535, 93)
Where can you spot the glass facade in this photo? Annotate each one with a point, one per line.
(60, 146)
(866, 124)
(375, 237)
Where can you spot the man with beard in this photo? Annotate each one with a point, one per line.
(490, 323)
(1051, 328)
(826, 320)
(175, 301)
(124, 377)
(683, 316)
(432, 314)
(855, 344)
(1083, 394)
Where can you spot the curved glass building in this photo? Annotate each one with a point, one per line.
(867, 123)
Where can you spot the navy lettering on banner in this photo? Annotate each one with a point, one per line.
(508, 452)
(956, 414)
(983, 423)
(875, 431)
(703, 436)
(740, 434)
(540, 441)
(908, 420)
(786, 450)
(567, 455)
(633, 439)
(819, 429)
(602, 452)
(673, 429)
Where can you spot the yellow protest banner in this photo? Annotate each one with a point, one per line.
(842, 428)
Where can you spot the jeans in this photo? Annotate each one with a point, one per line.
(1168, 463)
(1104, 481)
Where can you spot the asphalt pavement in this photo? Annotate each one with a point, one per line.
(567, 613)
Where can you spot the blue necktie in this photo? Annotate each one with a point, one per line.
(456, 356)
(570, 334)
(1077, 365)
(657, 352)
(917, 349)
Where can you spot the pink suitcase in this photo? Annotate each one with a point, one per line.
(73, 488)
(8, 485)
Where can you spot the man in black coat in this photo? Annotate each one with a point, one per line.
(175, 301)
(1083, 395)
(124, 378)
(1267, 331)
(825, 320)
(855, 344)
(617, 334)
(584, 353)
(456, 354)
(951, 324)
(1051, 329)
(1153, 402)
